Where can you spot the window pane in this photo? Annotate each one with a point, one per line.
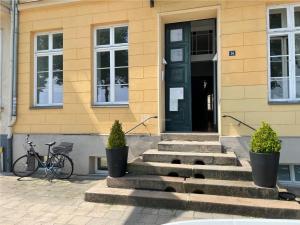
(121, 58)
(121, 35)
(103, 60)
(280, 66)
(42, 42)
(57, 62)
(297, 87)
(202, 42)
(297, 68)
(176, 55)
(297, 71)
(58, 87)
(297, 43)
(103, 76)
(103, 94)
(103, 37)
(279, 45)
(42, 64)
(284, 173)
(278, 18)
(297, 64)
(176, 35)
(297, 16)
(121, 93)
(42, 88)
(121, 76)
(57, 41)
(280, 88)
(297, 172)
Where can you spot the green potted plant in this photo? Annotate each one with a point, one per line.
(116, 151)
(264, 156)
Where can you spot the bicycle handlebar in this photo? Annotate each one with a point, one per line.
(29, 142)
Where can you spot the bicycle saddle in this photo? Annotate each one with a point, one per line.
(51, 143)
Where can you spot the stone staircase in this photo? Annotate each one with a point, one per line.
(193, 172)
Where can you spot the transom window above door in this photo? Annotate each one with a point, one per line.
(111, 65)
(284, 53)
(202, 42)
(48, 69)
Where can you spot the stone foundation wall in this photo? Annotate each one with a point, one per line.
(85, 147)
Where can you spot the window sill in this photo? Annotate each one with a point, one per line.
(125, 105)
(47, 107)
(291, 183)
(287, 102)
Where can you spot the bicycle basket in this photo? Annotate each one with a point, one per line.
(63, 148)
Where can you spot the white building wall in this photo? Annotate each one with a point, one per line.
(5, 68)
(5, 76)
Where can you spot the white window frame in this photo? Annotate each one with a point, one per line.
(292, 181)
(111, 48)
(290, 32)
(50, 53)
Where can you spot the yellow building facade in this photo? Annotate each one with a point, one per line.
(242, 84)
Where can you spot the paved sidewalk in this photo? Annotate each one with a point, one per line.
(33, 201)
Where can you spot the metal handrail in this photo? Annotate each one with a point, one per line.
(240, 122)
(142, 123)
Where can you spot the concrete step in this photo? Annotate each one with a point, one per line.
(191, 185)
(184, 170)
(190, 146)
(154, 155)
(197, 202)
(190, 136)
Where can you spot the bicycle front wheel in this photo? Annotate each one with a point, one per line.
(25, 166)
(62, 166)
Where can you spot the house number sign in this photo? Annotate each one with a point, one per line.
(232, 53)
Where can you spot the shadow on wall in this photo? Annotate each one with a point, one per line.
(240, 145)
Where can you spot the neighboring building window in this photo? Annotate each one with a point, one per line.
(297, 172)
(111, 65)
(289, 173)
(48, 69)
(284, 173)
(284, 53)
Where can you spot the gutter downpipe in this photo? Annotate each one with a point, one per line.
(8, 154)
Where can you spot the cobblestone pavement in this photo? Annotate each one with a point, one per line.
(37, 201)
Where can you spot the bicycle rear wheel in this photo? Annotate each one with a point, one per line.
(62, 166)
(25, 166)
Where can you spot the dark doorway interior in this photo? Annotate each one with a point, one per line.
(203, 75)
(202, 96)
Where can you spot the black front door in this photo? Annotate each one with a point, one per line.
(178, 77)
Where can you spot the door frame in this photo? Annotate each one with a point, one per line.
(184, 16)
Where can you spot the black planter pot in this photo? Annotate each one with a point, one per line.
(117, 161)
(264, 168)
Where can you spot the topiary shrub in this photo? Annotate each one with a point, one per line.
(265, 140)
(116, 137)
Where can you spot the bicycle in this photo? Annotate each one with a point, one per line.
(58, 165)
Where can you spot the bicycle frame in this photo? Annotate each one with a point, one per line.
(36, 155)
(56, 165)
